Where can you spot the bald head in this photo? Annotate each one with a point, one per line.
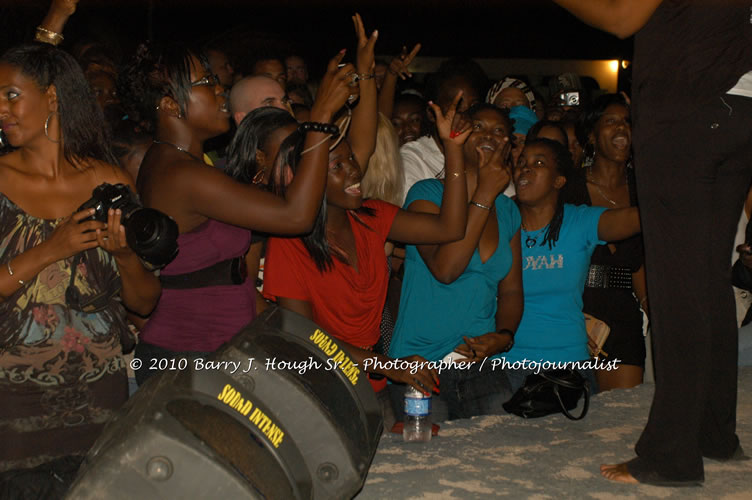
(254, 92)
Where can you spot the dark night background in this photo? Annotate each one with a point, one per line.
(319, 28)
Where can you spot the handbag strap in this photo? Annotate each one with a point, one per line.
(585, 388)
(563, 408)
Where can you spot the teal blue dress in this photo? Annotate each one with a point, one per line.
(433, 317)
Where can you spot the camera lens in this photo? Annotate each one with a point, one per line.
(152, 235)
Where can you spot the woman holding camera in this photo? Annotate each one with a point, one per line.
(206, 297)
(62, 374)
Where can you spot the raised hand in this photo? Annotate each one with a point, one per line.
(336, 87)
(365, 59)
(494, 170)
(64, 7)
(447, 124)
(57, 15)
(398, 66)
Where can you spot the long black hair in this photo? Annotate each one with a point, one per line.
(316, 242)
(82, 123)
(564, 167)
(252, 134)
(154, 72)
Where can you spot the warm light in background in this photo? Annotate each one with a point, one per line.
(613, 65)
(625, 64)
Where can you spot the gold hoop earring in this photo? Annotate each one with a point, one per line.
(46, 128)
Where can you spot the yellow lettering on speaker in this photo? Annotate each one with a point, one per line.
(323, 342)
(235, 400)
(230, 394)
(246, 408)
(256, 417)
(267, 427)
(225, 389)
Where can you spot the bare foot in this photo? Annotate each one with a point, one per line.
(618, 473)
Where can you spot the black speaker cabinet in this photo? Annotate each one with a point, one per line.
(281, 411)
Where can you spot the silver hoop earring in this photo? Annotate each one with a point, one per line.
(46, 127)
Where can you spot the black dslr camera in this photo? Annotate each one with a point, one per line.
(152, 235)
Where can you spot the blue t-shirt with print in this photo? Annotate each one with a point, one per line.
(553, 326)
(434, 316)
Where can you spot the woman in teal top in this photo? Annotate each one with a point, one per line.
(466, 296)
(557, 243)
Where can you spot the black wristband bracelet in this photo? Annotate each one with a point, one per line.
(327, 128)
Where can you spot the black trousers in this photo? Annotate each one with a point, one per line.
(692, 178)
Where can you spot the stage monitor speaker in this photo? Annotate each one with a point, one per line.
(281, 411)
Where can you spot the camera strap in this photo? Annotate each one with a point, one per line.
(94, 303)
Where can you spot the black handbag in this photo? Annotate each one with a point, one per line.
(553, 391)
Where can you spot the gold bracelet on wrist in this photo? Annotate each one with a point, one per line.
(46, 36)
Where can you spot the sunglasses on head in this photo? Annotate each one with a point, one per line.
(210, 80)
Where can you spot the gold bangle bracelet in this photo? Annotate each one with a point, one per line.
(46, 36)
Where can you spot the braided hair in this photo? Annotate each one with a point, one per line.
(565, 168)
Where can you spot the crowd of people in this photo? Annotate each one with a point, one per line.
(414, 218)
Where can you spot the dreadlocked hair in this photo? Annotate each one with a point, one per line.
(316, 242)
(564, 167)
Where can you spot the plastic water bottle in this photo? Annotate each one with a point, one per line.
(417, 427)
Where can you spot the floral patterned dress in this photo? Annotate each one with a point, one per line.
(62, 373)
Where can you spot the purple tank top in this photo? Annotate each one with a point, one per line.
(202, 319)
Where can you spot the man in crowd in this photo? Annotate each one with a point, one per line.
(255, 92)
